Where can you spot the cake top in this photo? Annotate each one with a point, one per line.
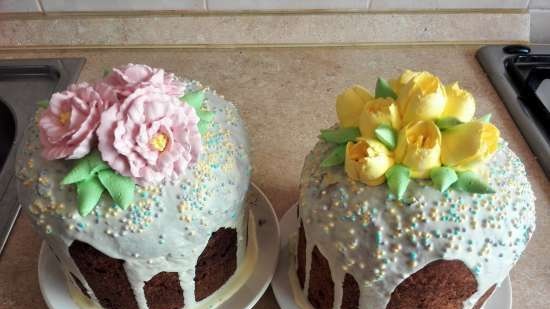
(135, 126)
(414, 127)
(366, 232)
(140, 154)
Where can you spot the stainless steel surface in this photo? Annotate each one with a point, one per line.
(22, 84)
(543, 92)
(492, 60)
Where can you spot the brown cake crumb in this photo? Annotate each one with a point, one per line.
(350, 298)
(217, 262)
(301, 256)
(164, 291)
(105, 276)
(442, 284)
(321, 286)
(484, 297)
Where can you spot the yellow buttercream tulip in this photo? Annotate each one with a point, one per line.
(376, 112)
(422, 98)
(349, 105)
(398, 83)
(468, 144)
(419, 147)
(460, 103)
(367, 160)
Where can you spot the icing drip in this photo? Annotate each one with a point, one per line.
(229, 288)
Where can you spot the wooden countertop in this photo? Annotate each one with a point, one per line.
(286, 95)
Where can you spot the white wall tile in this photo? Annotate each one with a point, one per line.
(447, 4)
(285, 5)
(17, 6)
(121, 5)
(540, 23)
(539, 4)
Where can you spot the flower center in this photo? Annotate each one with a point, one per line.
(378, 106)
(64, 118)
(422, 141)
(159, 141)
(422, 135)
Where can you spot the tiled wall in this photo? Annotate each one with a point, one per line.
(123, 5)
(19, 6)
(539, 9)
(260, 5)
(447, 4)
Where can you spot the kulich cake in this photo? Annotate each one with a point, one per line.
(137, 183)
(411, 201)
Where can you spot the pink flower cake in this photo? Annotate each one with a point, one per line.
(137, 184)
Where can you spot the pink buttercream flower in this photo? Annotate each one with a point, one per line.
(68, 125)
(131, 77)
(150, 136)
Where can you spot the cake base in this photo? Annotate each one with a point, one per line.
(286, 285)
(242, 290)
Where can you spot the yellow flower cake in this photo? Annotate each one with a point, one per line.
(398, 207)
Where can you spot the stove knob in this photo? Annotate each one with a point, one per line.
(517, 49)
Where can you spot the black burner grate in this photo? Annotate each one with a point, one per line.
(521, 76)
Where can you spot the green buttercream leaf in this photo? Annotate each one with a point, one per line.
(383, 90)
(470, 182)
(106, 72)
(398, 178)
(340, 135)
(92, 176)
(447, 122)
(120, 188)
(194, 99)
(486, 118)
(88, 195)
(205, 116)
(80, 172)
(203, 126)
(443, 177)
(335, 157)
(85, 168)
(386, 135)
(43, 103)
(96, 163)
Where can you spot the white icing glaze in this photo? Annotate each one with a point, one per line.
(168, 225)
(297, 294)
(223, 293)
(363, 231)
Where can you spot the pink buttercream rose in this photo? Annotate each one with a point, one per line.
(150, 136)
(68, 125)
(131, 77)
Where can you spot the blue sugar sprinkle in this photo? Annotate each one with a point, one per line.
(378, 237)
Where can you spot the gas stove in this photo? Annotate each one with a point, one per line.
(521, 77)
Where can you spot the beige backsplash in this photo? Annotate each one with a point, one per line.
(346, 28)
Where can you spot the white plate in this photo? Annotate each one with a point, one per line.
(56, 294)
(501, 299)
